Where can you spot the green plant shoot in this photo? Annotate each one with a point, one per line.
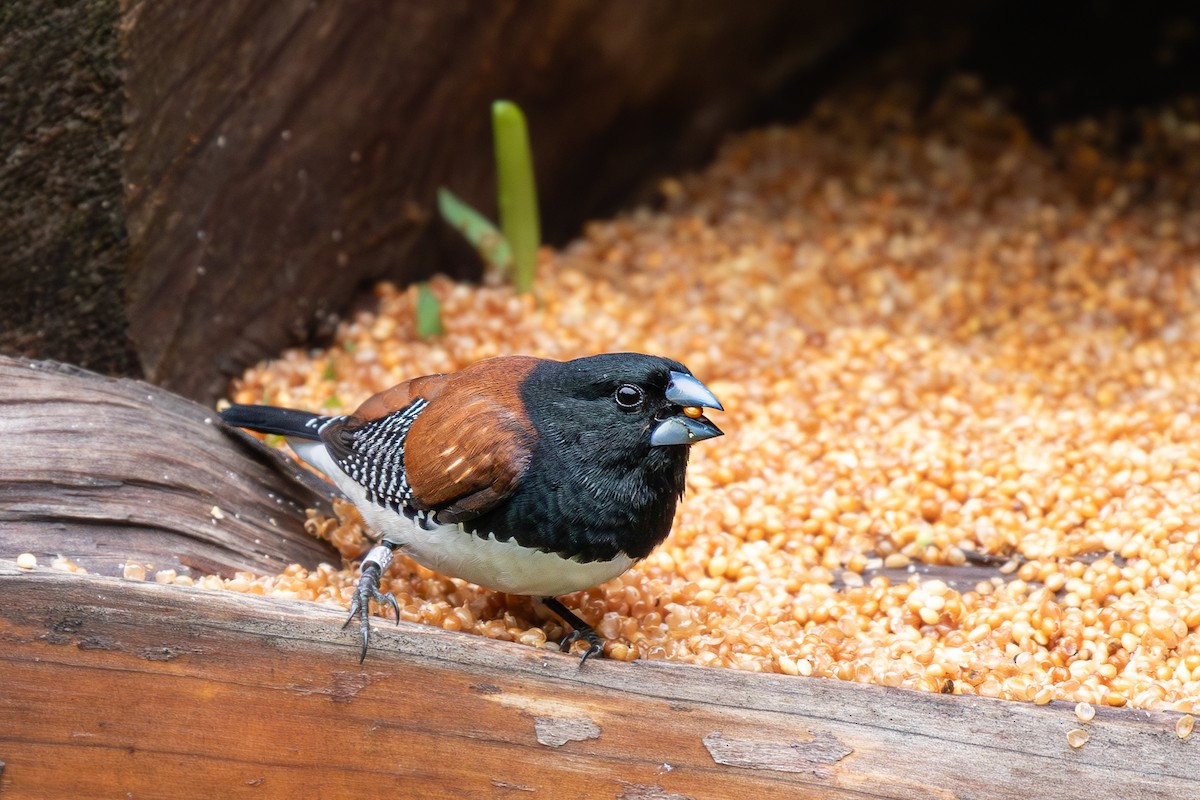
(477, 229)
(517, 191)
(429, 313)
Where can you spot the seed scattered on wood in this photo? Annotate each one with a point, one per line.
(1184, 725)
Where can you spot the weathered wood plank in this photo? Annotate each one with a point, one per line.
(112, 687)
(105, 471)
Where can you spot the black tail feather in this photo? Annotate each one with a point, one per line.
(270, 419)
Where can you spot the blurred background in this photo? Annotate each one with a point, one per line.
(187, 189)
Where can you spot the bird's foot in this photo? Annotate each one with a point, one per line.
(371, 572)
(587, 634)
(581, 631)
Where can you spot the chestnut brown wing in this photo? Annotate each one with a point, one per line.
(453, 444)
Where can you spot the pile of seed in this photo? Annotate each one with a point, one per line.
(938, 341)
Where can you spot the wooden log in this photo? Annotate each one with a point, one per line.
(107, 471)
(116, 688)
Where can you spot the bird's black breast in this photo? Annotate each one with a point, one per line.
(571, 515)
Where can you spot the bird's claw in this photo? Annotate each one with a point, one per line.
(581, 630)
(595, 643)
(360, 605)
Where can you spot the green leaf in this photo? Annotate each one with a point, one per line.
(429, 313)
(478, 230)
(517, 190)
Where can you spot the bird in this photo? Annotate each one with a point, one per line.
(524, 475)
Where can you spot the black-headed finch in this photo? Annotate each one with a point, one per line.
(523, 475)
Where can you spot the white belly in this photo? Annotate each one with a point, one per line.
(502, 566)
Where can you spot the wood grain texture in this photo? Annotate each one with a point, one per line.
(112, 687)
(105, 471)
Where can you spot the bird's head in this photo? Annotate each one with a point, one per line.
(621, 422)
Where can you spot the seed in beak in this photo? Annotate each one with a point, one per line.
(693, 411)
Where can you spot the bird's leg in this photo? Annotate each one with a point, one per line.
(374, 565)
(581, 630)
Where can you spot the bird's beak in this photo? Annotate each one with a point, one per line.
(689, 426)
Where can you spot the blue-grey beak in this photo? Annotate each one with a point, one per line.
(689, 426)
(684, 390)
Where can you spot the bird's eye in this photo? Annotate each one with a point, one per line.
(628, 396)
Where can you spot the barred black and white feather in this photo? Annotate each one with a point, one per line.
(372, 455)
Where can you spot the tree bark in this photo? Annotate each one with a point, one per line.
(63, 245)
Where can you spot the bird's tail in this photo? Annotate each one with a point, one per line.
(270, 419)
